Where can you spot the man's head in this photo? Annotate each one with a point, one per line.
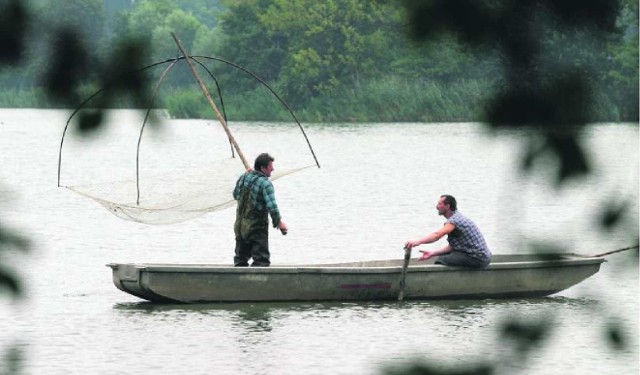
(446, 204)
(264, 164)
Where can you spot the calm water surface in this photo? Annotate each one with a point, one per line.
(377, 187)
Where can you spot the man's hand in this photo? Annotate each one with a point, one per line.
(426, 254)
(283, 227)
(410, 244)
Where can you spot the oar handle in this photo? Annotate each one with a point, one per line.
(407, 256)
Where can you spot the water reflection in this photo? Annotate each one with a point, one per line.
(505, 332)
(264, 312)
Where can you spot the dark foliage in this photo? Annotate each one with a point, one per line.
(556, 107)
(13, 27)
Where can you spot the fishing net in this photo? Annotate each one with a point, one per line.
(174, 198)
(181, 170)
(186, 169)
(167, 199)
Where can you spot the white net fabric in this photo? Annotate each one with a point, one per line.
(186, 169)
(167, 199)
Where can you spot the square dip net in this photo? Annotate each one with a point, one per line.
(176, 170)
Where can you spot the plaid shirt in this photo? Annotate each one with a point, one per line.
(467, 237)
(262, 194)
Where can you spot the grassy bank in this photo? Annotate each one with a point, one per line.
(380, 101)
(389, 100)
(31, 98)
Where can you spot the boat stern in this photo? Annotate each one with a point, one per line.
(127, 278)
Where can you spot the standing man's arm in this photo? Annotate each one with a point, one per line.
(270, 202)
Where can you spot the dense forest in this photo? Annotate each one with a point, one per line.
(336, 60)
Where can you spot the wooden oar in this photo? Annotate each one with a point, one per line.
(405, 265)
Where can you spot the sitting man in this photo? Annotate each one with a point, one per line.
(466, 248)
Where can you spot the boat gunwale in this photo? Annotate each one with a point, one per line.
(293, 269)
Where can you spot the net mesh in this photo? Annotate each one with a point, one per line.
(167, 199)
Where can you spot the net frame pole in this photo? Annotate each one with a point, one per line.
(223, 122)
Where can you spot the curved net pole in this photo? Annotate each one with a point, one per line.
(64, 132)
(194, 58)
(75, 111)
(273, 92)
(224, 113)
(146, 117)
(211, 102)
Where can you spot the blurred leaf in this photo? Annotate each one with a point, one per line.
(476, 21)
(525, 336)
(615, 335)
(432, 369)
(89, 120)
(545, 250)
(562, 103)
(10, 282)
(123, 73)
(9, 239)
(613, 213)
(469, 19)
(573, 161)
(599, 13)
(519, 107)
(557, 107)
(69, 66)
(13, 27)
(14, 357)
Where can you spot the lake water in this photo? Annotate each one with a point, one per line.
(377, 187)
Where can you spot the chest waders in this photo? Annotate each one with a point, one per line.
(251, 229)
(249, 221)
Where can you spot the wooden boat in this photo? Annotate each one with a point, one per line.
(507, 276)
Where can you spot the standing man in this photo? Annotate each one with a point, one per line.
(466, 248)
(256, 197)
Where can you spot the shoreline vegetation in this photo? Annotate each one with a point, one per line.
(330, 62)
(391, 101)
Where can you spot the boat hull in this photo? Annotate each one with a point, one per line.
(507, 276)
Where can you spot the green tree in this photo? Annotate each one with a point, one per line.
(620, 77)
(140, 21)
(245, 41)
(86, 16)
(332, 44)
(154, 21)
(206, 11)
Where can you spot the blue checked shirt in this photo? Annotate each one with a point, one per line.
(262, 194)
(467, 237)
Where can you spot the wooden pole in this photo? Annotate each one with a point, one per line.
(211, 102)
(617, 251)
(405, 265)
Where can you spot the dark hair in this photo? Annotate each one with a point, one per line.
(262, 161)
(451, 201)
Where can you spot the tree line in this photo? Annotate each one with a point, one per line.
(335, 60)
